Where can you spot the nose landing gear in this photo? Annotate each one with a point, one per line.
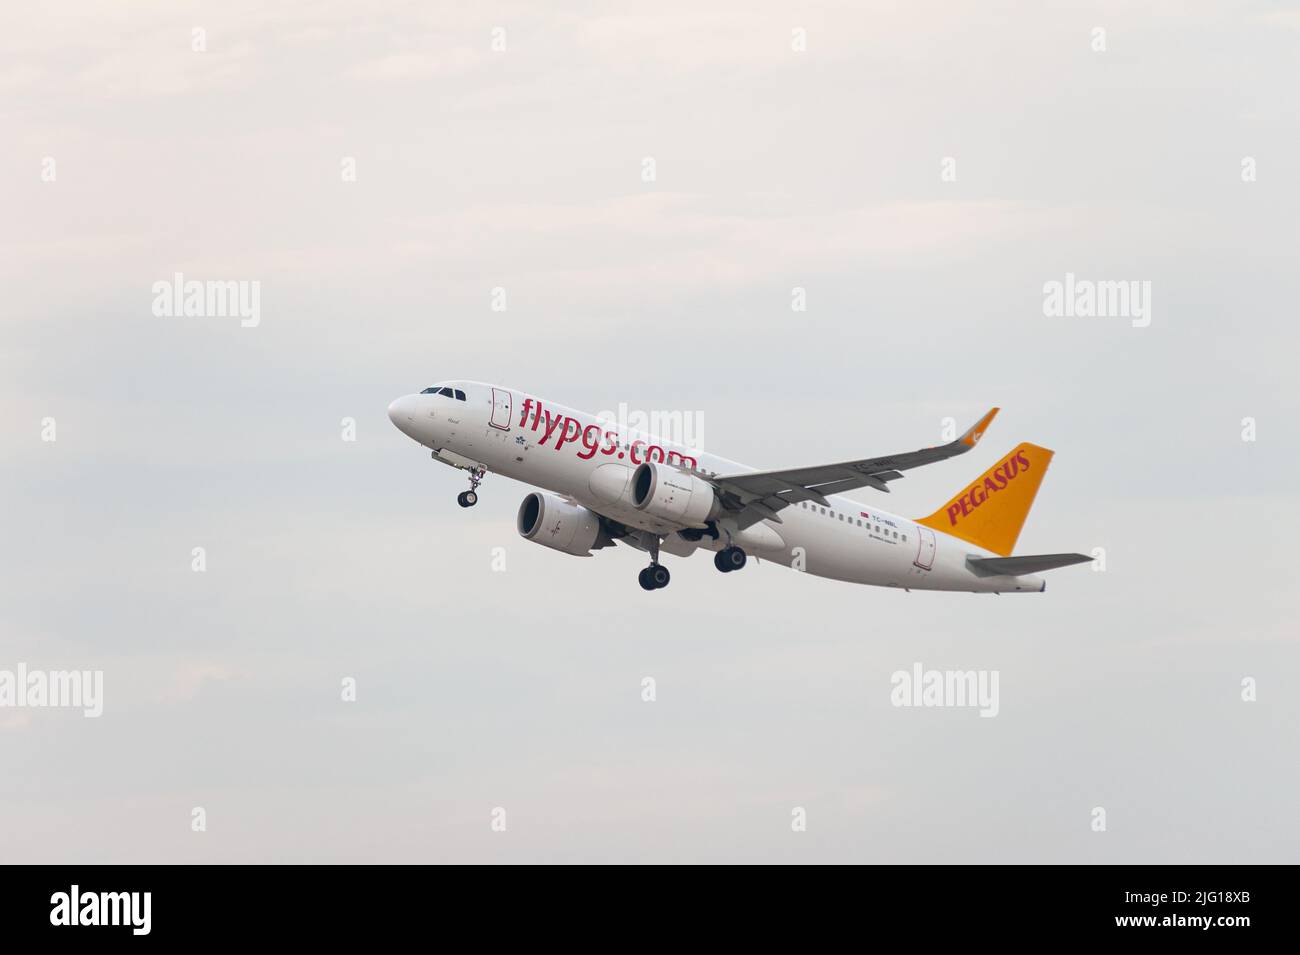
(470, 498)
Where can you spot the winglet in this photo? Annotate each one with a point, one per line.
(972, 437)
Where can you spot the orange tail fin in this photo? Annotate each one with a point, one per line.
(990, 512)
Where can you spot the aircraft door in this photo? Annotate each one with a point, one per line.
(925, 545)
(500, 409)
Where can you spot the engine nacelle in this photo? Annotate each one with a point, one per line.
(674, 496)
(555, 523)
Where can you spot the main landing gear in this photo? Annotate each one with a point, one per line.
(655, 576)
(729, 559)
(470, 498)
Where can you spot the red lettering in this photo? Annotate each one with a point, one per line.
(590, 441)
(977, 494)
(551, 425)
(568, 434)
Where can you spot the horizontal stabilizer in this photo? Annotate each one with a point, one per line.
(1018, 566)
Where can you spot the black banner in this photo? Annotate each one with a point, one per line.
(137, 904)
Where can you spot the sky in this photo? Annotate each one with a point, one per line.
(645, 189)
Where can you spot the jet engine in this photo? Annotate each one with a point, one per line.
(560, 525)
(674, 496)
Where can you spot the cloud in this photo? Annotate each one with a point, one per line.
(411, 65)
(15, 719)
(187, 680)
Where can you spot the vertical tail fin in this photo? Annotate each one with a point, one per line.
(991, 511)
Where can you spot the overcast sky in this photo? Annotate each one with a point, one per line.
(1167, 156)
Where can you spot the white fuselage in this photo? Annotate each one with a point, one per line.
(579, 456)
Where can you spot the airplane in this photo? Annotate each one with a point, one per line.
(600, 488)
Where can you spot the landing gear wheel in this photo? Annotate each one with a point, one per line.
(654, 577)
(729, 559)
(466, 498)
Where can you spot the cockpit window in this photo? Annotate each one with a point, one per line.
(445, 391)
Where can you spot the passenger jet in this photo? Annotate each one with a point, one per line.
(601, 487)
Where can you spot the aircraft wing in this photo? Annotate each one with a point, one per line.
(759, 495)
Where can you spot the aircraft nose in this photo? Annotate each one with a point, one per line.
(402, 412)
